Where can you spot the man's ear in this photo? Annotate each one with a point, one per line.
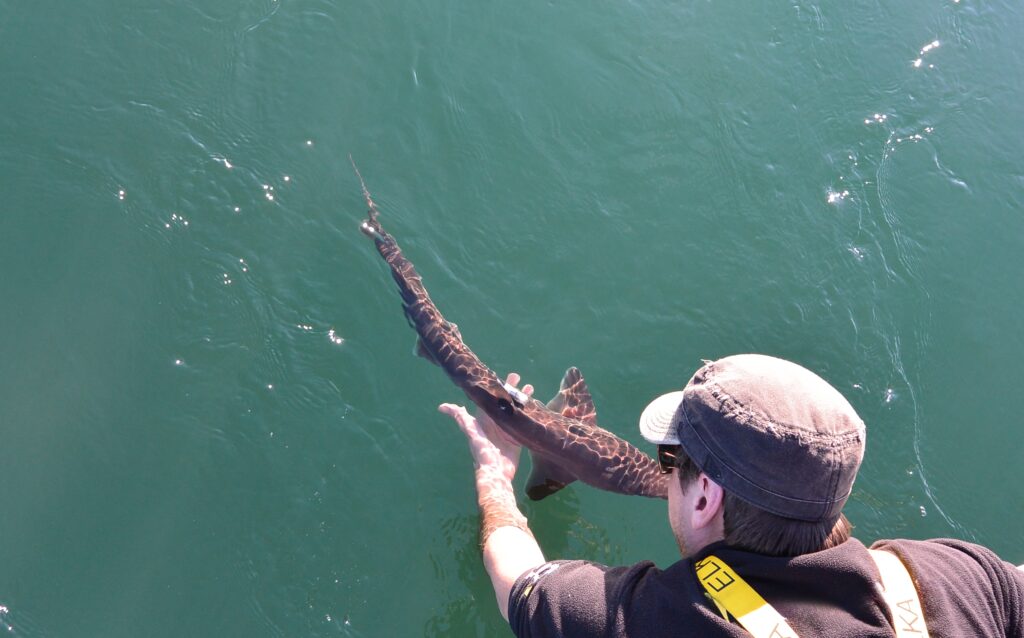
(707, 505)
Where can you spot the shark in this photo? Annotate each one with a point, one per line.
(562, 436)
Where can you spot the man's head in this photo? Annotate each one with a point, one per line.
(782, 444)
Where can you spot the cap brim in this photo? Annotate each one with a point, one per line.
(658, 421)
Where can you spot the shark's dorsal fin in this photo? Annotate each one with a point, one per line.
(573, 399)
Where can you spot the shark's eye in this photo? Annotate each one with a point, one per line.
(505, 406)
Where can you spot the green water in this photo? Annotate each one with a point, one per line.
(210, 420)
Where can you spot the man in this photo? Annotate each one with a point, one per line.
(764, 454)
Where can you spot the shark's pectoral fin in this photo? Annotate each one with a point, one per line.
(420, 350)
(573, 399)
(546, 478)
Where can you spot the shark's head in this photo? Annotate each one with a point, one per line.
(500, 402)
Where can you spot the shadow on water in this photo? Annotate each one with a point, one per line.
(461, 614)
(563, 531)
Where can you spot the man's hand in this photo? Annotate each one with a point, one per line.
(489, 446)
(508, 545)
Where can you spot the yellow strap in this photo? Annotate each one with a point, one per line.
(731, 593)
(900, 595)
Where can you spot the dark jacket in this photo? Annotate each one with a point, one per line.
(965, 590)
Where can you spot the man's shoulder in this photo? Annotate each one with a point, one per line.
(592, 598)
(952, 558)
(963, 584)
(583, 575)
(938, 550)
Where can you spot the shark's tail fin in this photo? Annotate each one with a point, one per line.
(439, 339)
(370, 226)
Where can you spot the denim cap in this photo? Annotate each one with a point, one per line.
(767, 430)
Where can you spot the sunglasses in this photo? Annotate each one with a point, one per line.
(667, 456)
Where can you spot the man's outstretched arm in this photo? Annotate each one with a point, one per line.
(509, 548)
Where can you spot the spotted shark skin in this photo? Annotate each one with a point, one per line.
(562, 436)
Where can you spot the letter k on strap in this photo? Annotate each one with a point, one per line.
(734, 597)
(901, 595)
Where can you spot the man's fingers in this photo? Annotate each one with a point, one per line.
(513, 380)
(457, 412)
(450, 409)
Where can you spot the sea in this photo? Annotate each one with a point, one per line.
(211, 419)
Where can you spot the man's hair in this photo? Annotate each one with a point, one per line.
(753, 529)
